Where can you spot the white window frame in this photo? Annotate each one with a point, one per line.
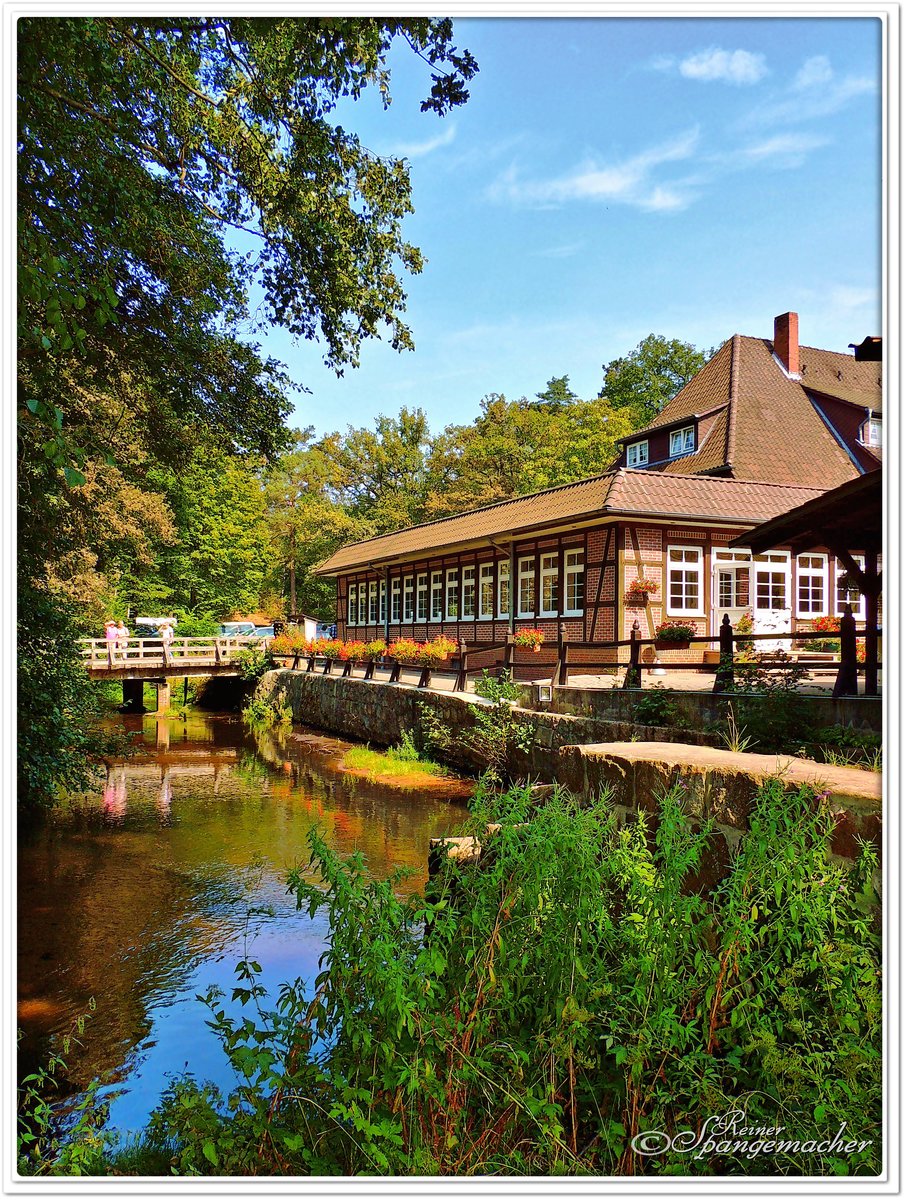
(422, 597)
(408, 599)
(437, 596)
(696, 565)
(858, 609)
(396, 599)
(870, 433)
(486, 576)
(452, 596)
(682, 441)
(637, 454)
(550, 571)
(526, 571)
(503, 584)
(363, 603)
(382, 602)
(773, 561)
(468, 587)
(352, 605)
(373, 602)
(573, 565)
(811, 572)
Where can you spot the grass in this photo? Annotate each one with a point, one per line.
(396, 762)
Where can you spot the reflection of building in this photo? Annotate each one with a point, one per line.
(764, 426)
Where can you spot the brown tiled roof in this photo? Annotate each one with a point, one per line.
(772, 431)
(841, 376)
(618, 493)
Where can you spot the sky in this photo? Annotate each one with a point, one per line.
(610, 178)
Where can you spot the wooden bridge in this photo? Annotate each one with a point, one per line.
(137, 661)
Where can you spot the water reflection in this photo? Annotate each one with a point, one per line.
(139, 895)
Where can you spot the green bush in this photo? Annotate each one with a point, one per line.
(535, 1013)
(656, 706)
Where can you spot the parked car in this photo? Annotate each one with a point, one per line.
(264, 632)
(236, 629)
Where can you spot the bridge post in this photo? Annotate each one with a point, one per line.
(163, 695)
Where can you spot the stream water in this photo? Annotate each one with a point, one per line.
(141, 895)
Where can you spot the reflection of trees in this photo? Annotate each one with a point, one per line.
(122, 898)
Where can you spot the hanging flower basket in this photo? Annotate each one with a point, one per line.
(674, 635)
(639, 590)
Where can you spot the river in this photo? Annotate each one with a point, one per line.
(141, 895)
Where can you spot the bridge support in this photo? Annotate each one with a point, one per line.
(133, 695)
(163, 695)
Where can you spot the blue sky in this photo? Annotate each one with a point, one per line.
(611, 178)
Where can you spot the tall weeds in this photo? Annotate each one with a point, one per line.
(536, 1012)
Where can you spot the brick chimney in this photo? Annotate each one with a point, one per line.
(786, 341)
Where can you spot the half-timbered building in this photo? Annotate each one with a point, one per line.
(764, 426)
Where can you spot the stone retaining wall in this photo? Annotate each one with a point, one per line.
(588, 754)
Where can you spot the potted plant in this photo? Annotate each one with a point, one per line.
(640, 589)
(531, 639)
(403, 650)
(374, 650)
(433, 653)
(674, 635)
(351, 651)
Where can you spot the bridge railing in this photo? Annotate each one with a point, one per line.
(99, 654)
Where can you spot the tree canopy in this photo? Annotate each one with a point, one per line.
(168, 165)
(644, 380)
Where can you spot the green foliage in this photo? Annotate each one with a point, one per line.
(261, 713)
(770, 705)
(533, 1013)
(253, 663)
(735, 737)
(196, 624)
(497, 731)
(643, 381)
(60, 741)
(45, 1145)
(657, 706)
(403, 760)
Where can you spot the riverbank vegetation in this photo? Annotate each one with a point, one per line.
(536, 1011)
(402, 763)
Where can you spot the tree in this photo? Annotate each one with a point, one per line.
(644, 380)
(141, 144)
(557, 392)
(306, 524)
(380, 475)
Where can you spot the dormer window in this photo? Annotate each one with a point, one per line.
(870, 432)
(682, 441)
(637, 454)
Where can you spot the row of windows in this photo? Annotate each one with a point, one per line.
(682, 441)
(459, 594)
(762, 583)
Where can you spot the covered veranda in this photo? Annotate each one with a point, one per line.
(846, 521)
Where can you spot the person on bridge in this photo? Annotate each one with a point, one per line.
(122, 639)
(166, 636)
(111, 634)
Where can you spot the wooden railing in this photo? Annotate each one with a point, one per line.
(471, 659)
(99, 654)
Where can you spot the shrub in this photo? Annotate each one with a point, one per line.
(253, 662)
(260, 713)
(497, 731)
(534, 1013)
(656, 706)
(675, 631)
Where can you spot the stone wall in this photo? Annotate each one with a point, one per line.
(588, 754)
(702, 708)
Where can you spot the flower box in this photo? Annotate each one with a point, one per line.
(674, 635)
(529, 639)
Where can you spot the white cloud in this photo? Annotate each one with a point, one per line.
(814, 72)
(420, 149)
(714, 65)
(568, 251)
(784, 150)
(816, 91)
(626, 182)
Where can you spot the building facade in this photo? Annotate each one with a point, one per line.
(743, 442)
